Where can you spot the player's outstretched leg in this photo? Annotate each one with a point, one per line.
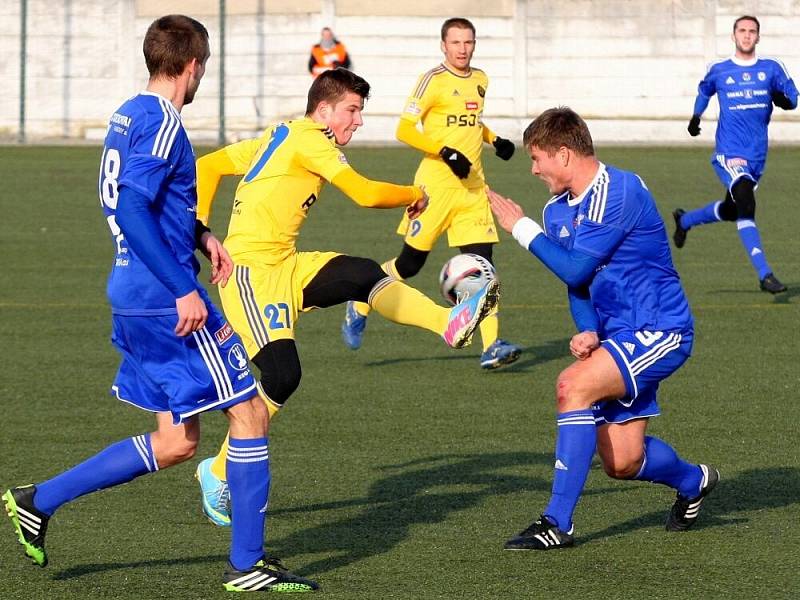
(467, 315)
(356, 313)
(29, 523)
(215, 492)
(685, 511)
(267, 575)
(542, 534)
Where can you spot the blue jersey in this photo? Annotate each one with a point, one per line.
(636, 287)
(744, 90)
(147, 149)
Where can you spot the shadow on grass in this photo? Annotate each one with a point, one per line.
(531, 356)
(782, 298)
(420, 492)
(751, 490)
(93, 568)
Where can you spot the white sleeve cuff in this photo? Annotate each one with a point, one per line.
(525, 230)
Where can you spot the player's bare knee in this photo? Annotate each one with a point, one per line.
(172, 450)
(248, 418)
(570, 394)
(622, 467)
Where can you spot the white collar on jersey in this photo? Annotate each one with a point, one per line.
(744, 63)
(601, 168)
(164, 98)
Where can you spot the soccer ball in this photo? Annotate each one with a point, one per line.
(464, 275)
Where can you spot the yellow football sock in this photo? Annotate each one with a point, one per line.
(489, 329)
(218, 464)
(400, 303)
(363, 308)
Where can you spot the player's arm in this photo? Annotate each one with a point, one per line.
(573, 267)
(586, 320)
(375, 194)
(503, 148)
(784, 91)
(143, 236)
(230, 160)
(583, 313)
(705, 89)
(408, 133)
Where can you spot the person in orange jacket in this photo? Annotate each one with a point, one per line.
(328, 54)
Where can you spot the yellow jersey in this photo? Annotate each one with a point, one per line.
(450, 107)
(283, 173)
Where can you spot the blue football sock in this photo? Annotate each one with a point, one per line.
(119, 463)
(705, 214)
(575, 445)
(663, 465)
(751, 240)
(248, 481)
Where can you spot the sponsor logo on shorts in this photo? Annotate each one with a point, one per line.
(223, 334)
(237, 357)
(736, 162)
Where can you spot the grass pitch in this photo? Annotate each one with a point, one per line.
(399, 470)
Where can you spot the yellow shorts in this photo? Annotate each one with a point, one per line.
(262, 303)
(463, 213)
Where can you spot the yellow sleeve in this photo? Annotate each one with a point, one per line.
(320, 156)
(408, 133)
(375, 194)
(489, 136)
(230, 160)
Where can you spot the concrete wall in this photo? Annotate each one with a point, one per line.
(630, 67)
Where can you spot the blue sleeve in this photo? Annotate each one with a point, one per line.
(705, 89)
(570, 266)
(146, 166)
(610, 215)
(783, 84)
(143, 236)
(583, 312)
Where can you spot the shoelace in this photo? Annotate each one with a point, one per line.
(220, 496)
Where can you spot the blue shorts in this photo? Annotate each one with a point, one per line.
(730, 169)
(645, 359)
(160, 371)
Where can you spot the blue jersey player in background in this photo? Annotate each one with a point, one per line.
(179, 356)
(746, 87)
(602, 235)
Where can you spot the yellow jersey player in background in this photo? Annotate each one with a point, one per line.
(449, 101)
(273, 283)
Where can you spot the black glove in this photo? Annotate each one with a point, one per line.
(458, 163)
(503, 148)
(694, 126)
(781, 101)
